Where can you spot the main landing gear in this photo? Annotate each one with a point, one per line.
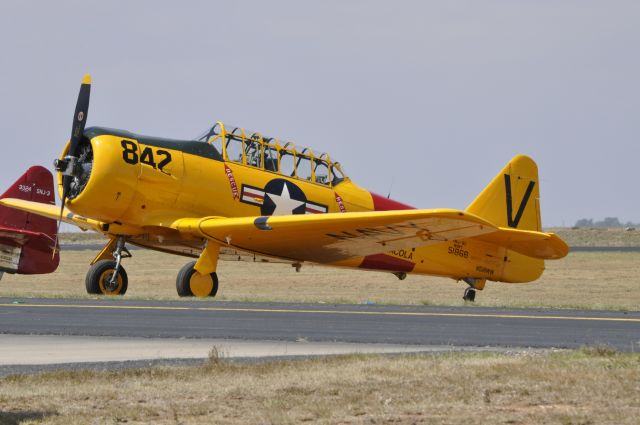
(470, 292)
(199, 278)
(108, 277)
(191, 283)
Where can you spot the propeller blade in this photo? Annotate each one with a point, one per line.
(77, 131)
(80, 115)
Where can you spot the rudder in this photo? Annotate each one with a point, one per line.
(512, 199)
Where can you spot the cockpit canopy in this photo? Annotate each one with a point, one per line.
(270, 154)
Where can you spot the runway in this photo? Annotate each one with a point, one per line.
(355, 324)
(34, 353)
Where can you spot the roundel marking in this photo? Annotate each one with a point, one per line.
(281, 197)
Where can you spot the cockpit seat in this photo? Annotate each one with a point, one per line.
(271, 164)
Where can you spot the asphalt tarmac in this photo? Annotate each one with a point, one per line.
(364, 324)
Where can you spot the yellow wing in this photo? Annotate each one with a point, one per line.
(325, 238)
(52, 211)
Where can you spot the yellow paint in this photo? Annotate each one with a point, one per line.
(208, 261)
(194, 199)
(104, 277)
(86, 79)
(192, 186)
(201, 285)
(53, 212)
(354, 198)
(326, 238)
(107, 251)
(491, 202)
(479, 284)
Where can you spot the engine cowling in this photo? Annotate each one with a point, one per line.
(103, 185)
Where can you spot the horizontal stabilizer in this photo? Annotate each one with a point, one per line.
(541, 245)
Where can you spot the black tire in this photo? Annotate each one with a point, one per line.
(469, 295)
(183, 281)
(99, 275)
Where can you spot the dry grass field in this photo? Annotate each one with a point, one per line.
(594, 386)
(598, 237)
(589, 280)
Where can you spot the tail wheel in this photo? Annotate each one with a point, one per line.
(469, 294)
(98, 280)
(191, 283)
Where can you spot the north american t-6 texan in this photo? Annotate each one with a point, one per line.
(236, 194)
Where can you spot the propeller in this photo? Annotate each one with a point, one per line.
(68, 165)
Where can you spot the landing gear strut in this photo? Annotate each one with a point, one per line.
(108, 277)
(474, 283)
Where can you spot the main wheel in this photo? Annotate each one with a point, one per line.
(191, 283)
(98, 280)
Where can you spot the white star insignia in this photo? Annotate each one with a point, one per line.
(284, 203)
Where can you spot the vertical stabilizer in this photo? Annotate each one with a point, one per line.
(512, 199)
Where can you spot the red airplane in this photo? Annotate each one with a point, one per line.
(27, 240)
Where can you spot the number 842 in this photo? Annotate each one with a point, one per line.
(147, 156)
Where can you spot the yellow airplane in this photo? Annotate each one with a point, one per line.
(232, 193)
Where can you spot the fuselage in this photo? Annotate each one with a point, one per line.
(140, 185)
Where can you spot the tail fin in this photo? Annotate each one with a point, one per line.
(512, 203)
(27, 240)
(512, 199)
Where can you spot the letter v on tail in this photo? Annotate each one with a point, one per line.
(511, 199)
(511, 220)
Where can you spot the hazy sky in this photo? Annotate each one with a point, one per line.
(428, 99)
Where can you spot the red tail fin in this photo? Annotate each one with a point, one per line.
(27, 240)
